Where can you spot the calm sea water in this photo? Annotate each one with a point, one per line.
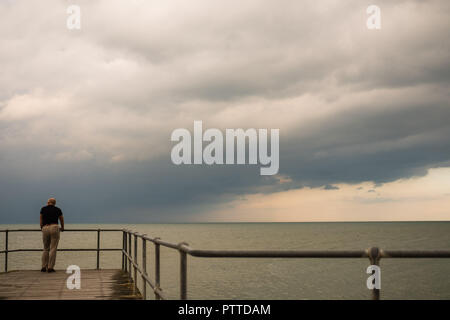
(215, 278)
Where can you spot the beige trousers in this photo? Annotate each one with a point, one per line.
(50, 237)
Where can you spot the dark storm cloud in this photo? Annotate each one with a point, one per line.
(87, 116)
(379, 146)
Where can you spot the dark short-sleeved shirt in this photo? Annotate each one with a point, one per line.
(50, 215)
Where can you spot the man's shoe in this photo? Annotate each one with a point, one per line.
(44, 269)
(50, 270)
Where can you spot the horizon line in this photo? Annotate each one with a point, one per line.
(247, 222)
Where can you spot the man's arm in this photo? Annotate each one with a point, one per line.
(40, 221)
(61, 220)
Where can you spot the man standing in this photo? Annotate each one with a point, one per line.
(50, 233)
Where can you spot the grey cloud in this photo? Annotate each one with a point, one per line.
(87, 116)
(377, 145)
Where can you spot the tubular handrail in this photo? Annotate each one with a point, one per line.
(129, 256)
(65, 230)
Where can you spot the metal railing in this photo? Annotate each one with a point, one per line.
(98, 249)
(130, 256)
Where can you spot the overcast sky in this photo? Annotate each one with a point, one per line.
(86, 115)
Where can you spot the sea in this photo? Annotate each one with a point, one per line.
(263, 278)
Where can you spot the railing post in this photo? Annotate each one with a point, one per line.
(126, 250)
(157, 269)
(123, 250)
(135, 261)
(144, 268)
(374, 257)
(98, 249)
(183, 272)
(129, 254)
(6, 251)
